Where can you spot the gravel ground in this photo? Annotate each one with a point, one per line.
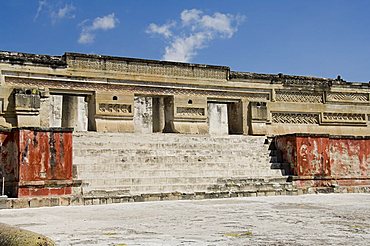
(325, 219)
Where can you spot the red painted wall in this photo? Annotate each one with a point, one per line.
(45, 155)
(8, 160)
(36, 161)
(343, 160)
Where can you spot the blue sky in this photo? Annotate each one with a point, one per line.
(321, 38)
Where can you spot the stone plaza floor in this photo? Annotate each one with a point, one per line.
(324, 219)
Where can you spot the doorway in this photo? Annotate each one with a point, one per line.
(69, 111)
(153, 114)
(225, 117)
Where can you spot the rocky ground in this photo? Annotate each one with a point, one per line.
(325, 219)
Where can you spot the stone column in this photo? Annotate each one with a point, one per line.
(69, 111)
(143, 114)
(158, 114)
(217, 119)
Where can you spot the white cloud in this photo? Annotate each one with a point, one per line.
(41, 6)
(184, 49)
(189, 16)
(86, 38)
(220, 23)
(66, 12)
(55, 11)
(104, 23)
(196, 31)
(162, 30)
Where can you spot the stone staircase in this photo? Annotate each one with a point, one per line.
(125, 164)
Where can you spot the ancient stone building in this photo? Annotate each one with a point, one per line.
(112, 94)
(103, 94)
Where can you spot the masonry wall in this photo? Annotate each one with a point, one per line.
(257, 104)
(324, 160)
(36, 162)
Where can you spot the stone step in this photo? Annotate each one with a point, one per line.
(204, 167)
(248, 184)
(167, 152)
(152, 163)
(119, 167)
(170, 162)
(149, 181)
(183, 188)
(142, 159)
(225, 149)
(164, 138)
(147, 189)
(143, 174)
(169, 145)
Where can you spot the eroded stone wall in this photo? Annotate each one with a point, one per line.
(325, 160)
(217, 119)
(257, 104)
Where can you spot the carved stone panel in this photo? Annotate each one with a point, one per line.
(110, 108)
(346, 96)
(295, 118)
(259, 111)
(190, 112)
(343, 118)
(298, 96)
(150, 69)
(306, 82)
(27, 99)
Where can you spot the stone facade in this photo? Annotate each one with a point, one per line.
(115, 105)
(112, 94)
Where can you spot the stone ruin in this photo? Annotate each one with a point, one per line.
(96, 129)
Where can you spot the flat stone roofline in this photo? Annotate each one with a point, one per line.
(38, 129)
(62, 62)
(284, 78)
(139, 60)
(26, 58)
(272, 77)
(326, 136)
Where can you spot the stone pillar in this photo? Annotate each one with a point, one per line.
(143, 112)
(74, 112)
(169, 115)
(7, 104)
(217, 119)
(69, 111)
(235, 117)
(55, 113)
(82, 114)
(246, 116)
(27, 107)
(45, 108)
(158, 114)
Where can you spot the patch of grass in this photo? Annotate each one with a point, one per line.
(239, 234)
(109, 233)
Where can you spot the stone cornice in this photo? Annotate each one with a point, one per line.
(32, 59)
(76, 62)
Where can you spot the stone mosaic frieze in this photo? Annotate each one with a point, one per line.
(295, 118)
(297, 96)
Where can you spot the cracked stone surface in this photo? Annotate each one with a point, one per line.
(325, 219)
